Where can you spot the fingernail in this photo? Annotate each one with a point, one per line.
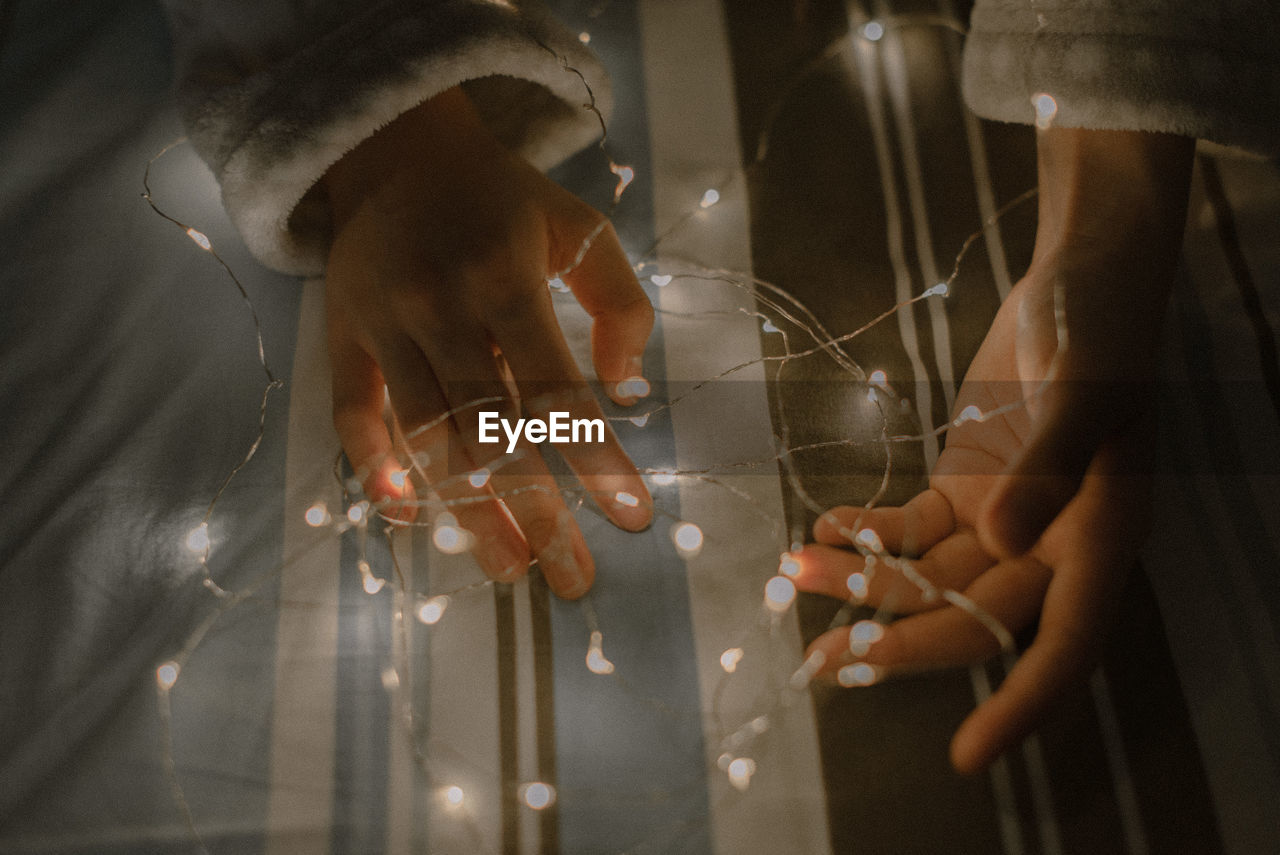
(632, 510)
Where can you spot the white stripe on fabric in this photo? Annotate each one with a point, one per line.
(1135, 836)
(867, 73)
(694, 141)
(526, 713)
(302, 729)
(1007, 818)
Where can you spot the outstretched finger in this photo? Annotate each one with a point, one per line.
(358, 400)
(909, 530)
(605, 285)
(1005, 599)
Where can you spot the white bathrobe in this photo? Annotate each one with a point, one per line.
(275, 92)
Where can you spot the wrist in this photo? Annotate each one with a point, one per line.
(1112, 199)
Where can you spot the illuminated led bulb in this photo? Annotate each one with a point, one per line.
(479, 478)
(768, 326)
(555, 283)
(872, 31)
(200, 239)
(633, 387)
(878, 378)
(167, 674)
(869, 539)
(390, 679)
(625, 175)
(730, 658)
(398, 478)
(710, 198)
(198, 538)
(622, 497)
(788, 565)
(779, 593)
(584, 37)
(1046, 109)
(538, 795)
(662, 280)
(432, 610)
(942, 289)
(863, 634)
(596, 663)
(640, 421)
(871, 395)
(857, 585)
(317, 515)
(372, 584)
(662, 477)
(969, 414)
(449, 537)
(453, 796)
(857, 674)
(688, 539)
(759, 724)
(356, 513)
(740, 772)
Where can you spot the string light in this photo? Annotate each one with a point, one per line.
(317, 515)
(431, 610)
(538, 795)
(596, 661)
(779, 593)
(198, 539)
(167, 674)
(730, 658)
(398, 478)
(688, 539)
(1046, 109)
(640, 420)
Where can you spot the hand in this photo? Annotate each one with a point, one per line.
(436, 289)
(1035, 512)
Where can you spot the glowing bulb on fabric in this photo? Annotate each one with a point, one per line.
(730, 658)
(878, 378)
(372, 584)
(687, 538)
(625, 176)
(662, 280)
(200, 239)
(317, 515)
(1046, 109)
(662, 477)
(942, 289)
(356, 513)
(167, 674)
(584, 37)
(596, 661)
(453, 796)
(740, 771)
(873, 31)
(432, 610)
(538, 795)
(449, 537)
(198, 538)
(479, 478)
(640, 421)
(709, 198)
(768, 326)
(555, 283)
(779, 593)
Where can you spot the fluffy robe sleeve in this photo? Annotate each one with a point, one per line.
(1202, 68)
(273, 92)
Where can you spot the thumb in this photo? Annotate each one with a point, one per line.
(1073, 419)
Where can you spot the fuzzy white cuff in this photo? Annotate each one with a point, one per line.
(1206, 70)
(270, 136)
